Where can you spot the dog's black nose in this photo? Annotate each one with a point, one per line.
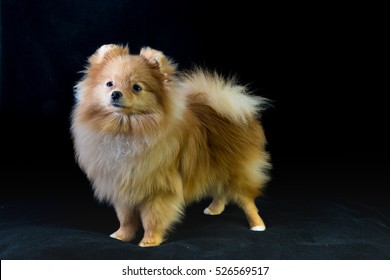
(115, 95)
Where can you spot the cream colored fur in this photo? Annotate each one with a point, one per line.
(225, 96)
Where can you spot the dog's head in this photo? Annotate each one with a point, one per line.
(117, 84)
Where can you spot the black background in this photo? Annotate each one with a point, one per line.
(322, 65)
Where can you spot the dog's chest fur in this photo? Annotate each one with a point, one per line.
(110, 161)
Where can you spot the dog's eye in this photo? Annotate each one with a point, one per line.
(109, 84)
(137, 88)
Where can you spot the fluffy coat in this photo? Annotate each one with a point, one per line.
(152, 140)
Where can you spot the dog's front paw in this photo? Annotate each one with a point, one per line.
(150, 242)
(122, 235)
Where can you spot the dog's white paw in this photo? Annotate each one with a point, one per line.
(258, 228)
(207, 211)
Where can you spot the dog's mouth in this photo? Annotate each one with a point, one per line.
(118, 105)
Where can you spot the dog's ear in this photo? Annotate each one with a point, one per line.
(157, 58)
(107, 52)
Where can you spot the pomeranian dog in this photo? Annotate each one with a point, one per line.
(152, 140)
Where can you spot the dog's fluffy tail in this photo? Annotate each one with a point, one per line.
(225, 96)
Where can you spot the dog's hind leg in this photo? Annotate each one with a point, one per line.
(216, 207)
(248, 205)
